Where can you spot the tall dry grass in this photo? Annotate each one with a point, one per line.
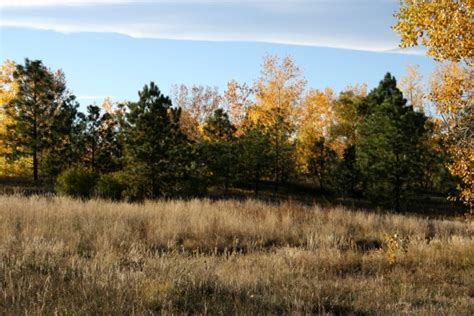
(65, 256)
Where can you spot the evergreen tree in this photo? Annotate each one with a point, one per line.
(220, 148)
(156, 152)
(321, 162)
(92, 135)
(102, 146)
(388, 144)
(43, 115)
(255, 157)
(348, 175)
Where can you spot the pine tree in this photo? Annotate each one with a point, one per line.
(102, 146)
(348, 176)
(42, 113)
(155, 148)
(220, 148)
(388, 145)
(255, 157)
(321, 162)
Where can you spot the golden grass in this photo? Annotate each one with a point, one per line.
(65, 256)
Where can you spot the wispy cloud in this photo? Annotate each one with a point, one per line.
(418, 50)
(351, 24)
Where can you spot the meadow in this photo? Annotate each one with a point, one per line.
(65, 256)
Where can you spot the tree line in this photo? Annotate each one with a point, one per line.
(380, 145)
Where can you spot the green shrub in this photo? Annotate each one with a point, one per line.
(76, 182)
(112, 186)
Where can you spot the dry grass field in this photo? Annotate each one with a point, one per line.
(64, 256)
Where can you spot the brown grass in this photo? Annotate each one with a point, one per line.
(64, 256)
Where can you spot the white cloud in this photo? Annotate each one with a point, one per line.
(418, 50)
(351, 24)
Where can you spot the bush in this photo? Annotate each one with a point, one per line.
(76, 182)
(112, 186)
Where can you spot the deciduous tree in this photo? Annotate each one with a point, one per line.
(315, 122)
(411, 84)
(445, 27)
(8, 91)
(197, 103)
(238, 99)
(452, 92)
(345, 108)
(278, 94)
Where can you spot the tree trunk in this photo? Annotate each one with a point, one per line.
(226, 185)
(35, 150)
(398, 184)
(35, 165)
(397, 198)
(257, 182)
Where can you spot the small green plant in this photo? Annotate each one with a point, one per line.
(112, 186)
(77, 182)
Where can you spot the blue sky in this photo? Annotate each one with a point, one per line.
(113, 47)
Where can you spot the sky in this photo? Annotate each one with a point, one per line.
(113, 47)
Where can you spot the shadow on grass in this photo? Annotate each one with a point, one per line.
(425, 205)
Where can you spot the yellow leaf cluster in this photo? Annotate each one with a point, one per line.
(238, 100)
(452, 92)
(396, 246)
(411, 84)
(278, 93)
(315, 120)
(445, 27)
(8, 91)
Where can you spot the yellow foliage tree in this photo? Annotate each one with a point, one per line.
(452, 92)
(238, 99)
(411, 84)
(277, 97)
(445, 27)
(343, 131)
(278, 93)
(316, 119)
(8, 90)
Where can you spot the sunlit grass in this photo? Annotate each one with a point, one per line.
(68, 256)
